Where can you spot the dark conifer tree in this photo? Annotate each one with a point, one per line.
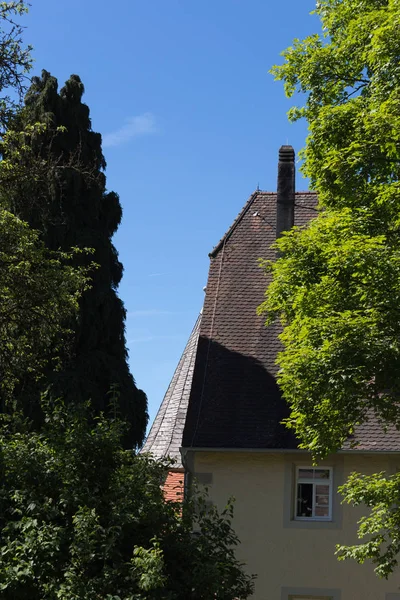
(71, 208)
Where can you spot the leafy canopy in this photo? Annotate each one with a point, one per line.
(336, 286)
(80, 516)
(15, 61)
(82, 519)
(54, 176)
(381, 526)
(39, 292)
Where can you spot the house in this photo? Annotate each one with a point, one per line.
(224, 409)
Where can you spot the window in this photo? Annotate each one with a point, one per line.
(310, 598)
(313, 499)
(310, 594)
(299, 510)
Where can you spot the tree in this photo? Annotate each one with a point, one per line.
(83, 519)
(15, 61)
(336, 286)
(66, 200)
(80, 516)
(39, 293)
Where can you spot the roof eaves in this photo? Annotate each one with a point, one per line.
(240, 449)
(185, 449)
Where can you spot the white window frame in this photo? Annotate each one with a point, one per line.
(314, 482)
(310, 594)
(301, 597)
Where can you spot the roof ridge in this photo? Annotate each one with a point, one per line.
(242, 213)
(188, 359)
(306, 193)
(235, 223)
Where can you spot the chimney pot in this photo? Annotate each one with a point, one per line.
(286, 154)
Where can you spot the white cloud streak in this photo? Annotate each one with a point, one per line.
(135, 126)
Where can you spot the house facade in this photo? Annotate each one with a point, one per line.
(223, 412)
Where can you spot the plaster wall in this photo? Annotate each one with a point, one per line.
(290, 557)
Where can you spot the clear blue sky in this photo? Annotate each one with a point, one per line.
(191, 123)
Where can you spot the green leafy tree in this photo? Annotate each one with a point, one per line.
(336, 285)
(64, 197)
(82, 518)
(39, 293)
(39, 289)
(15, 60)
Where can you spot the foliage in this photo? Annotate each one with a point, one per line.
(339, 279)
(81, 518)
(336, 285)
(39, 291)
(381, 527)
(15, 60)
(53, 178)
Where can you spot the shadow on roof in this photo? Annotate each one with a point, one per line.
(234, 403)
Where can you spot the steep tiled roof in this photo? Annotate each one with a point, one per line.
(234, 399)
(165, 437)
(223, 393)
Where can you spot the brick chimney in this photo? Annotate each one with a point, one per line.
(285, 190)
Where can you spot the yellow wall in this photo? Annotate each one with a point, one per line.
(272, 547)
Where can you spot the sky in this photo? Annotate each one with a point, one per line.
(191, 122)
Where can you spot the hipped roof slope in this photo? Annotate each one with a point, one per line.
(235, 401)
(165, 436)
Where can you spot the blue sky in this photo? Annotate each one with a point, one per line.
(191, 123)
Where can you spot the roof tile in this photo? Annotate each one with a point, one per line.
(165, 436)
(224, 393)
(235, 401)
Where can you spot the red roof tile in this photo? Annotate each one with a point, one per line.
(174, 486)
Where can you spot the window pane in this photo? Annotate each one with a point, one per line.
(310, 598)
(304, 500)
(321, 473)
(322, 501)
(306, 473)
(313, 499)
(322, 511)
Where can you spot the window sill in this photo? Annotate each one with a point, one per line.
(312, 524)
(314, 519)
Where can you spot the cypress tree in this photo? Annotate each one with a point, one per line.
(69, 205)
